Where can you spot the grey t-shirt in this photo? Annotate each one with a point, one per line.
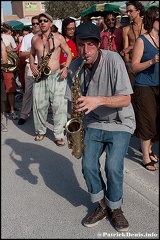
(110, 78)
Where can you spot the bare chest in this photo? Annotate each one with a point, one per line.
(134, 32)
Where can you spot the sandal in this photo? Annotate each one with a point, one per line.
(152, 155)
(150, 164)
(39, 137)
(59, 142)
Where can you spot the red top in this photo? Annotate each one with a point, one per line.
(22, 62)
(63, 55)
(117, 40)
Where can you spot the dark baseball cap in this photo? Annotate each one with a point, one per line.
(87, 30)
(46, 15)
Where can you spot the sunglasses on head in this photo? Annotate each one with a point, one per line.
(35, 23)
(157, 19)
(111, 19)
(43, 20)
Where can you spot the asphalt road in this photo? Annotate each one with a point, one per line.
(44, 196)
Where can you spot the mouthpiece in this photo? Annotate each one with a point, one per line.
(84, 60)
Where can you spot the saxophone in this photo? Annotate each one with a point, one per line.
(12, 62)
(109, 44)
(74, 128)
(43, 67)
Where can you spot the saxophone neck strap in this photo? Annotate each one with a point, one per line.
(95, 65)
(50, 35)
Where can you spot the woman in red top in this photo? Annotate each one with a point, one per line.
(68, 29)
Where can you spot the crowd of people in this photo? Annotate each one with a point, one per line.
(118, 93)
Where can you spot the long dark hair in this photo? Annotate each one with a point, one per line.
(149, 18)
(65, 23)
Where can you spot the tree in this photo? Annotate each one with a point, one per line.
(63, 9)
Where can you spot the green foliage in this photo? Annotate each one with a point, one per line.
(64, 9)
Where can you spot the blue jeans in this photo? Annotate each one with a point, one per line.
(115, 144)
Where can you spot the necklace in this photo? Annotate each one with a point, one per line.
(154, 37)
(47, 42)
(134, 31)
(153, 41)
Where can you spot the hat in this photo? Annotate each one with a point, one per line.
(87, 30)
(46, 15)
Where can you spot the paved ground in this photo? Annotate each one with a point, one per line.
(44, 195)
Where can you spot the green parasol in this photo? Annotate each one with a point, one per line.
(98, 9)
(15, 25)
(117, 7)
(151, 4)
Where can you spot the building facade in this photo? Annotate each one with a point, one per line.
(26, 9)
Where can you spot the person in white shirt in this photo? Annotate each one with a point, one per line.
(24, 52)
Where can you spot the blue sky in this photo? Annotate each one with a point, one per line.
(7, 8)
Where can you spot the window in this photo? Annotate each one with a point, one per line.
(42, 5)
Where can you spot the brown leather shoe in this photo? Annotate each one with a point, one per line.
(118, 220)
(96, 216)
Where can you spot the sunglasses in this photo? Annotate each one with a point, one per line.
(43, 20)
(109, 20)
(71, 29)
(130, 11)
(35, 23)
(157, 19)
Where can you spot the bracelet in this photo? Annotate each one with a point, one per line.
(66, 67)
(151, 62)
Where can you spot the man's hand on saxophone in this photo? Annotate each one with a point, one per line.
(34, 69)
(86, 104)
(89, 103)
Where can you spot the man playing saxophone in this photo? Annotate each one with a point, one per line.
(49, 87)
(110, 121)
(111, 37)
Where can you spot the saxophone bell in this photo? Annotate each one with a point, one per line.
(42, 72)
(12, 62)
(47, 70)
(75, 136)
(73, 125)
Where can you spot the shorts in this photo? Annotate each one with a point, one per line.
(10, 82)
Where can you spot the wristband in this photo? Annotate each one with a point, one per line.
(66, 67)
